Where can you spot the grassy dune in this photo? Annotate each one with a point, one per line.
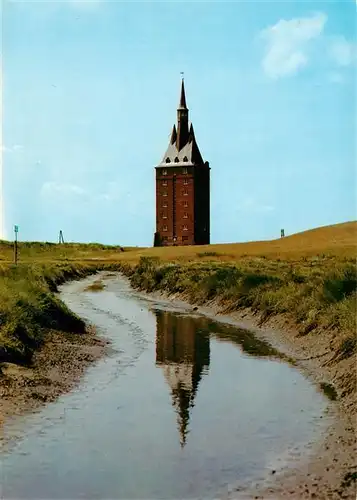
(309, 276)
(40, 252)
(338, 240)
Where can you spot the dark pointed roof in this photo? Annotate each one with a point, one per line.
(183, 145)
(191, 134)
(182, 104)
(173, 135)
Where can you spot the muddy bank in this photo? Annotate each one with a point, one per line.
(44, 347)
(330, 472)
(55, 369)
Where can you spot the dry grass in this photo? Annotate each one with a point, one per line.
(339, 240)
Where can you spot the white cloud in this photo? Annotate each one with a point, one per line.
(288, 42)
(113, 192)
(53, 188)
(80, 199)
(11, 149)
(343, 52)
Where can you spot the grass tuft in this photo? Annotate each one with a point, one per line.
(96, 286)
(329, 391)
(348, 347)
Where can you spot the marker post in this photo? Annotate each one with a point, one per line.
(16, 230)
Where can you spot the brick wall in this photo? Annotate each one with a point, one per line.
(178, 210)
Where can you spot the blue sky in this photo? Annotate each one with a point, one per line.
(90, 91)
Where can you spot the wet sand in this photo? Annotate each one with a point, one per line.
(56, 369)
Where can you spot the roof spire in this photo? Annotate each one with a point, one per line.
(191, 134)
(173, 135)
(183, 96)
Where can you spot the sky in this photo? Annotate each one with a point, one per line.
(89, 97)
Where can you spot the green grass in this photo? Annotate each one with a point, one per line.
(29, 307)
(314, 296)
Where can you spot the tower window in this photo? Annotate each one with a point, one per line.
(164, 204)
(185, 215)
(164, 193)
(164, 172)
(184, 227)
(164, 183)
(185, 159)
(176, 160)
(185, 193)
(185, 181)
(168, 160)
(185, 169)
(164, 228)
(185, 203)
(164, 216)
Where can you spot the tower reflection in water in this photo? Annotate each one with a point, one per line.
(183, 353)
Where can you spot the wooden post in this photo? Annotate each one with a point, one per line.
(16, 230)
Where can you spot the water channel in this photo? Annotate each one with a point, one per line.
(183, 407)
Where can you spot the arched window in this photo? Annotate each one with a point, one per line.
(185, 158)
(168, 160)
(176, 160)
(164, 172)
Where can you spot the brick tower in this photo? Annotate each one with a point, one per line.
(182, 188)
